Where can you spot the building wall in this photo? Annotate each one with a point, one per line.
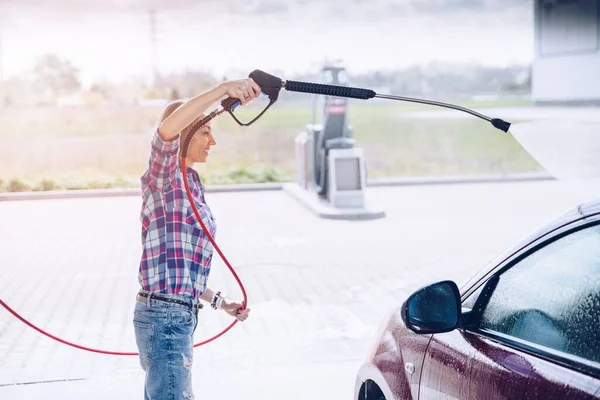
(566, 67)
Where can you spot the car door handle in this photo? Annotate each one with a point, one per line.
(409, 367)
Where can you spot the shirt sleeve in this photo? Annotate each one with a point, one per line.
(164, 159)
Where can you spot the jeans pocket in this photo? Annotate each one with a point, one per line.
(181, 317)
(144, 335)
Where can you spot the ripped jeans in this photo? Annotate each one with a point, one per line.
(164, 333)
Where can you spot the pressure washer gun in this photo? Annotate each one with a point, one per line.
(271, 85)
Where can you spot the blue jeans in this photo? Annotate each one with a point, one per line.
(164, 333)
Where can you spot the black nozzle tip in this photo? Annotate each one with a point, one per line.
(501, 124)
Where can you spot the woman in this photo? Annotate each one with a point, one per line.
(177, 254)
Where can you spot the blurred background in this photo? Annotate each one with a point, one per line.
(82, 82)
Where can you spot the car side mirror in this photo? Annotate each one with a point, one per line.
(433, 309)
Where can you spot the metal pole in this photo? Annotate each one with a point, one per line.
(434, 103)
(154, 47)
(1, 59)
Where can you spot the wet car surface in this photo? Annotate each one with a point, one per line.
(526, 326)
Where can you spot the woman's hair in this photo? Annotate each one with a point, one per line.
(170, 109)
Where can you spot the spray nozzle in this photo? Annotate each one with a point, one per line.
(500, 124)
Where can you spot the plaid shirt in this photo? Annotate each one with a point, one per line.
(176, 253)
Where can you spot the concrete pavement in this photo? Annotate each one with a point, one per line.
(318, 289)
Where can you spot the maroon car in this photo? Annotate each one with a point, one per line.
(526, 327)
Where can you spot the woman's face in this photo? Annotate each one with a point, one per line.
(200, 145)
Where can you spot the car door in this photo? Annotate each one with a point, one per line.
(534, 326)
(446, 367)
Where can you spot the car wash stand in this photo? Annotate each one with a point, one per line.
(331, 172)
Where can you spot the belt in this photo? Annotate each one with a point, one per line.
(169, 300)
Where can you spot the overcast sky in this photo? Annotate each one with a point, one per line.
(112, 39)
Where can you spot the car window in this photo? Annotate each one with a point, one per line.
(551, 298)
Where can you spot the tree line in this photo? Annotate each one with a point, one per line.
(53, 77)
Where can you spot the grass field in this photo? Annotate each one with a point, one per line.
(57, 148)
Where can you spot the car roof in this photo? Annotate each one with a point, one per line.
(580, 211)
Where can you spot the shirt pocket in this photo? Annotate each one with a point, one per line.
(207, 218)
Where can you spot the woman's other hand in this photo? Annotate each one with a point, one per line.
(234, 309)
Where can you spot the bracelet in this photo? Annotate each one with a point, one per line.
(217, 301)
(220, 301)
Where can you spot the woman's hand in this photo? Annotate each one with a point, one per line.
(244, 89)
(234, 309)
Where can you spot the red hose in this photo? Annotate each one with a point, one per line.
(13, 312)
(119, 353)
(214, 243)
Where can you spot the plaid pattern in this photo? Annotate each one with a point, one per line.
(176, 253)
